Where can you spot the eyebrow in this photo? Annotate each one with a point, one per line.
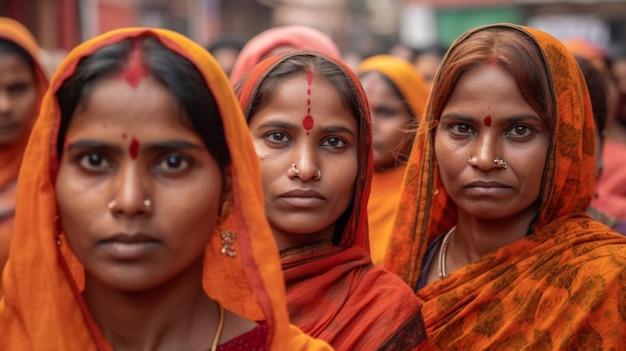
(286, 125)
(165, 145)
(511, 119)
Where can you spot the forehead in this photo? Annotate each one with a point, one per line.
(13, 66)
(113, 102)
(295, 97)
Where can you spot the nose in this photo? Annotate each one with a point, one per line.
(485, 151)
(5, 102)
(130, 193)
(305, 164)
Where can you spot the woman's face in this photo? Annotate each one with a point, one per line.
(18, 98)
(313, 131)
(390, 121)
(129, 145)
(486, 118)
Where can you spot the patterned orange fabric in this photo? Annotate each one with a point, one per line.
(385, 194)
(335, 293)
(294, 36)
(43, 308)
(11, 156)
(561, 287)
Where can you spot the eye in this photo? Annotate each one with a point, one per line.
(334, 142)
(172, 164)
(277, 138)
(93, 161)
(460, 129)
(520, 131)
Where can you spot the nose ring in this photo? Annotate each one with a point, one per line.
(470, 159)
(293, 170)
(500, 163)
(318, 175)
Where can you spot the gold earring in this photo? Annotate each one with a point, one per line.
(229, 238)
(58, 229)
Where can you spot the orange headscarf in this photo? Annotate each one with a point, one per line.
(386, 185)
(561, 287)
(43, 308)
(11, 156)
(335, 293)
(295, 36)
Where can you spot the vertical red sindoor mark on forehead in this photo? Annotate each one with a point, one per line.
(487, 121)
(135, 69)
(492, 61)
(308, 121)
(133, 148)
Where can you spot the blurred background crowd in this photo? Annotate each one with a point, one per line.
(360, 28)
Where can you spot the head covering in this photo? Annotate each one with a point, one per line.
(560, 287)
(335, 293)
(385, 194)
(43, 308)
(298, 37)
(11, 156)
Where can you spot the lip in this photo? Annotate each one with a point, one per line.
(486, 188)
(129, 246)
(302, 198)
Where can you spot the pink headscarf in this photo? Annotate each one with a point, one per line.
(297, 37)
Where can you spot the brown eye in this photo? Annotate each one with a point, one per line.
(172, 164)
(93, 161)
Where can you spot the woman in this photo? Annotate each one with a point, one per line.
(278, 40)
(309, 122)
(114, 249)
(397, 95)
(22, 85)
(492, 233)
(596, 85)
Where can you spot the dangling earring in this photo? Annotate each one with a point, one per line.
(58, 229)
(229, 238)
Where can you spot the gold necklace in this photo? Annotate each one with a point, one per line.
(443, 250)
(220, 327)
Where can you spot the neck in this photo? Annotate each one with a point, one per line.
(474, 238)
(287, 240)
(175, 315)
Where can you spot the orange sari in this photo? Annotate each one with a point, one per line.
(561, 287)
(11, 156)
(335, 293)
(294, 37)
(386, 185)
(43, 308)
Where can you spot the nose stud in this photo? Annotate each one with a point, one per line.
(500, 163)
(294, 169)
(147, 205)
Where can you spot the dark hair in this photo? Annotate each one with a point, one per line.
(512, 50)
(301, 63)
(9, 47)
(175, 72)
(337, 76)
(226, 42)
(596, 85)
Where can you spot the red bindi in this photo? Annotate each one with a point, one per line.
(307, 122)
(492, 61)
(133, 149)
(123, 135)
(135, 69)
(487, 121)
